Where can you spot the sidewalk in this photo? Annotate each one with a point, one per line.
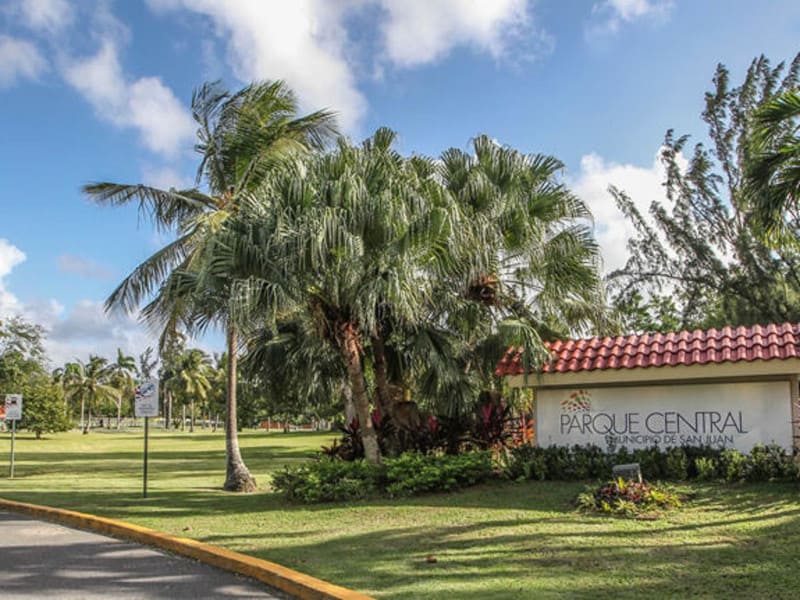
(41, 559)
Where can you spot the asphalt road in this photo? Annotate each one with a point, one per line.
(44, 560)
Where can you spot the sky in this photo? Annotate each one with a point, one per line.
(98, 90)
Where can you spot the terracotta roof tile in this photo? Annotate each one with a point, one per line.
(727, 344)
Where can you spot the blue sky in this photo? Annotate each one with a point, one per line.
(99, 90)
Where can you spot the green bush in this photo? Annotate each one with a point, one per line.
(329, 481)
(407, 475)
(562, 463)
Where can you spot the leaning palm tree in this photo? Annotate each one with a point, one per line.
(773, 174)
(91, 383)
(242, 136)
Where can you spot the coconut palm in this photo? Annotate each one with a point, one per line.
(193, 379)
(123, 377)
(242, 136)
(774, 171)
(91, 383)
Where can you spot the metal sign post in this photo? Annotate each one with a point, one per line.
(146, 405)
(13, 408)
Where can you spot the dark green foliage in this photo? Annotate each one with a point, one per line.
(329, 481)
(411, 474)
(407, 475)
(44, 408)
(561, 463)
(628, 498)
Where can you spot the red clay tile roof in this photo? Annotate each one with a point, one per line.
(729, 344)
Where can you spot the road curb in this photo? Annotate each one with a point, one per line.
(287, 580)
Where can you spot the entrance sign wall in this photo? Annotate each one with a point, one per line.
(729, 415)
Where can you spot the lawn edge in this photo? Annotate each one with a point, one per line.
(287, 580)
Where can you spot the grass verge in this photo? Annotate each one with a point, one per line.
(500, 540)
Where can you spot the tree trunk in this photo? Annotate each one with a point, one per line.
(83, 415)
(119, 412)
(183, 418)
(88, 421)
(191, 416)
(351, 351)
(237, 476)
(381, 378)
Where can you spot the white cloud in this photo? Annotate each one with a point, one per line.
(50, 16)
(83, 330)
(10, 257)
(610, 15)
(19, 59)
(306, 42)
(423, 31)
(303, 42)
(642, 184)
(84, 267)
(145, 104)
(88, 329)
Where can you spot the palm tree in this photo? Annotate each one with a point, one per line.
(123, 377)
(241, 138)
(91, 383)
(341, 239)
(193, 378)
(774, 171)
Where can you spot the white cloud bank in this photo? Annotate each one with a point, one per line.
(642, 184)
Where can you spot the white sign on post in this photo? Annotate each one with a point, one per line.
(146, 400)
(13, 407)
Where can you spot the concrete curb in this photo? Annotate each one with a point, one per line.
(292, 582)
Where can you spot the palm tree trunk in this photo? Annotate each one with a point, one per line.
(349, 405)
(381, 379)
(351, 352)
(183, 418)
(191, 416)
(119, 412)
(237, 476)
(83, 413)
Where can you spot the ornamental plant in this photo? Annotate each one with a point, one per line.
(628, 498)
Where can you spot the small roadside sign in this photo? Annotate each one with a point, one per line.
(13, 406)
(146, 400)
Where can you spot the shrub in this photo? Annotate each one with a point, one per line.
(628, 498)
(706, 469)
(764, 463)
(677, 464)
(409, 474)
(329, 481)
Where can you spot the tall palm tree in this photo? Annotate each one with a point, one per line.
(92, 384)
(123, 376)
(774, 171)
(242, 137)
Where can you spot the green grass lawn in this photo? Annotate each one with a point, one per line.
(502, 540)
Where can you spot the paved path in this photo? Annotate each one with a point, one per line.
(44, 560)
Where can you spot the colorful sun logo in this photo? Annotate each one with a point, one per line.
(580, 400)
